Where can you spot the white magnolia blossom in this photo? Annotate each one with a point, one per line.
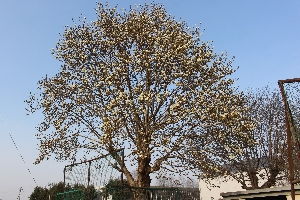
(143, 79)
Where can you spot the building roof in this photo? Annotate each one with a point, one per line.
(267, 192)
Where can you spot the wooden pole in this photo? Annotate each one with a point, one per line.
(288, 130)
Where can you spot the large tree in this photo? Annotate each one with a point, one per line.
(140, 80)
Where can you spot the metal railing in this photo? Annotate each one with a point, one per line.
(138, 193)
(114, 192)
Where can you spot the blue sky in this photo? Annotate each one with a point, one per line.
(262, 35)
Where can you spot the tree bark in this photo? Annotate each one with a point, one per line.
(272, 179)
(253, 180)
(144, 179)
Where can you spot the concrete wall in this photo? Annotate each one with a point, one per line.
(222, 186)
(213, 193)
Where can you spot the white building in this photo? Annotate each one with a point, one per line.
(219, 185)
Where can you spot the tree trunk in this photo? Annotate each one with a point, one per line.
(271, 179)
(253, 179)
(143, 179)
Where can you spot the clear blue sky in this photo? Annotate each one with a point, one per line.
(264, 36)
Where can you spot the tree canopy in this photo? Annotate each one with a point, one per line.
(265, 164)
(144, 81)
(39, 193)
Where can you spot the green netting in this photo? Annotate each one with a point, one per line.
(71, 195)
(97, 171)
(91, 175)
(292, 101)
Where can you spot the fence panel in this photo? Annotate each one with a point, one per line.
(137, 193)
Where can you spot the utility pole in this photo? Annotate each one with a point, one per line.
(290, 129)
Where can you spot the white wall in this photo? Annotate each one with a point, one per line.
(213, 193)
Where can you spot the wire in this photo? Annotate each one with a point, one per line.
(17, 149)
(21, 189)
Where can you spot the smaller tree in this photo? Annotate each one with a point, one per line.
(119, 192)
(191, 183)
(164, 181)
(39, 193)
(55, 188)
(262, 165)
(117, 182)
(89, 191)
(180, 181)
